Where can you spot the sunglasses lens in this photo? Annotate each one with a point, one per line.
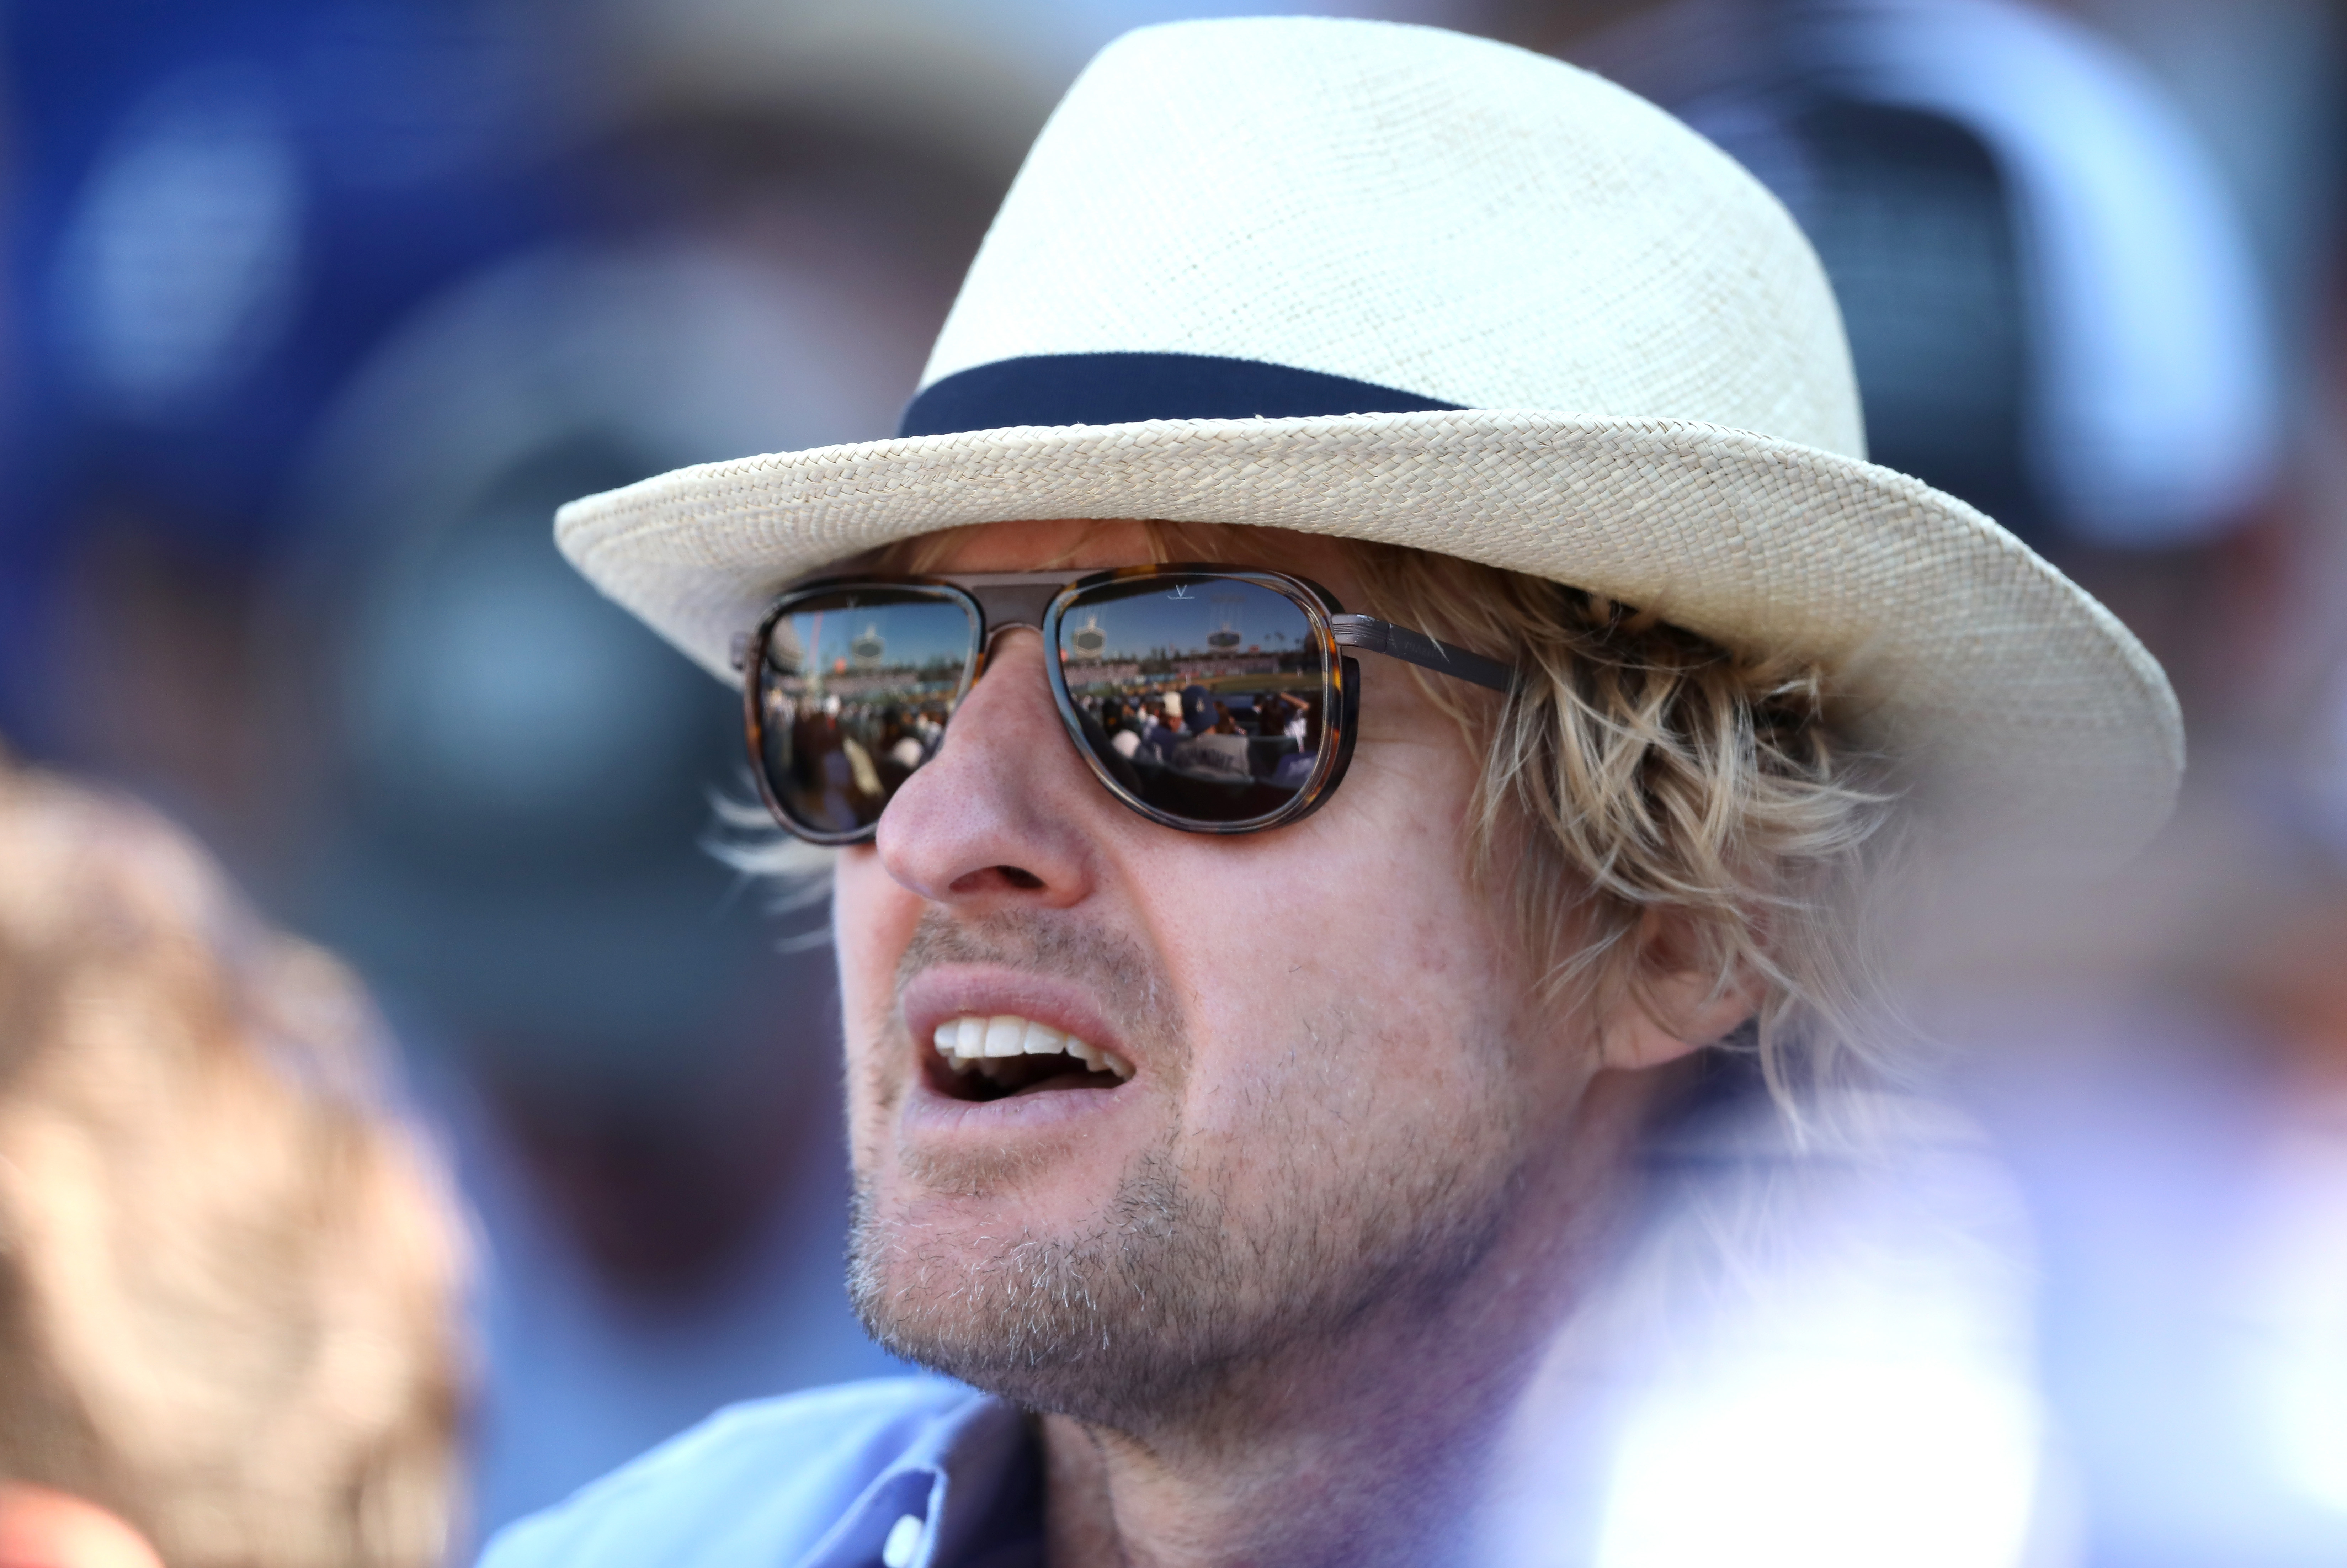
(1203, 697)
(854, 692)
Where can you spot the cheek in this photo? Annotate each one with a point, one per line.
(1357, 986)
(872, 919)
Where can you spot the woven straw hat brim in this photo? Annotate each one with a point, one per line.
(2009, 696)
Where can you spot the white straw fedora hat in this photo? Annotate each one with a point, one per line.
(1395, 283)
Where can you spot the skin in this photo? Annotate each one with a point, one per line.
(41, 1528)
(1359, 1170)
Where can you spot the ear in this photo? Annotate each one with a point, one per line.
(1677, 1007)
(44, 1529)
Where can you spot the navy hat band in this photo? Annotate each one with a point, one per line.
(1125, 388)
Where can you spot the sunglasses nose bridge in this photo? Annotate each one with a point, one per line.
(1009, 605)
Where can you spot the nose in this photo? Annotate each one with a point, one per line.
(1001, 816)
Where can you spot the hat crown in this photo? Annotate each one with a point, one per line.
(1459, 221)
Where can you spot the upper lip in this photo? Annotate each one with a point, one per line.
(984, 991)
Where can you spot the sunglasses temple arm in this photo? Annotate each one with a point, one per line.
(1375, 636)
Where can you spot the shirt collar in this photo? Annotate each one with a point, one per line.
(971, 1484)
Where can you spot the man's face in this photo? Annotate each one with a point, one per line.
(1337, 1068)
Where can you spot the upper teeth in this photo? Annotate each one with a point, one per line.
(971, 1042)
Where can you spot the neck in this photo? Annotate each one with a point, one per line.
(1369, 1448)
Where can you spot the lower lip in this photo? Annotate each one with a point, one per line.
(931, 1113)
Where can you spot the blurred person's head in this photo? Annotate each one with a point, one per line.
(1196, 708)
(1197, 1111)
(228, 1277)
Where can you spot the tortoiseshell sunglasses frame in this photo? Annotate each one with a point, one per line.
(997, 602)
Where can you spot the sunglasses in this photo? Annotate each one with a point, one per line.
(1211, 699)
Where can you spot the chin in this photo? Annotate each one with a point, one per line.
(1118, 1320)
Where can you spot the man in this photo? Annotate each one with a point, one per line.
(1242, 1143)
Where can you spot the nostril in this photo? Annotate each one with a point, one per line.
(1008, 875)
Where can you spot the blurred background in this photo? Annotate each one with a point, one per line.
(314, 309)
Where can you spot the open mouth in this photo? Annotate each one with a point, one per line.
(999, 1056)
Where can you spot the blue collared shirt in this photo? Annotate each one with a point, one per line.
(900, 1472)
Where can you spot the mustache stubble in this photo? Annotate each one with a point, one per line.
(1123, 978)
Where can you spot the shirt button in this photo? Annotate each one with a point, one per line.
(904, 1540)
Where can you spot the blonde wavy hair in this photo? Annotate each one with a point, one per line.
(1638, 772)
(229, 1278)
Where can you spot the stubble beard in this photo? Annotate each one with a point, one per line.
(1116, 1323)
(1173, 1296)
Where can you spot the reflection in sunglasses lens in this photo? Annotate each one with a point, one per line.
(853, 694)
(1203, 697)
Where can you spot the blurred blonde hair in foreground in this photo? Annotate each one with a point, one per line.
(228, 1278)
